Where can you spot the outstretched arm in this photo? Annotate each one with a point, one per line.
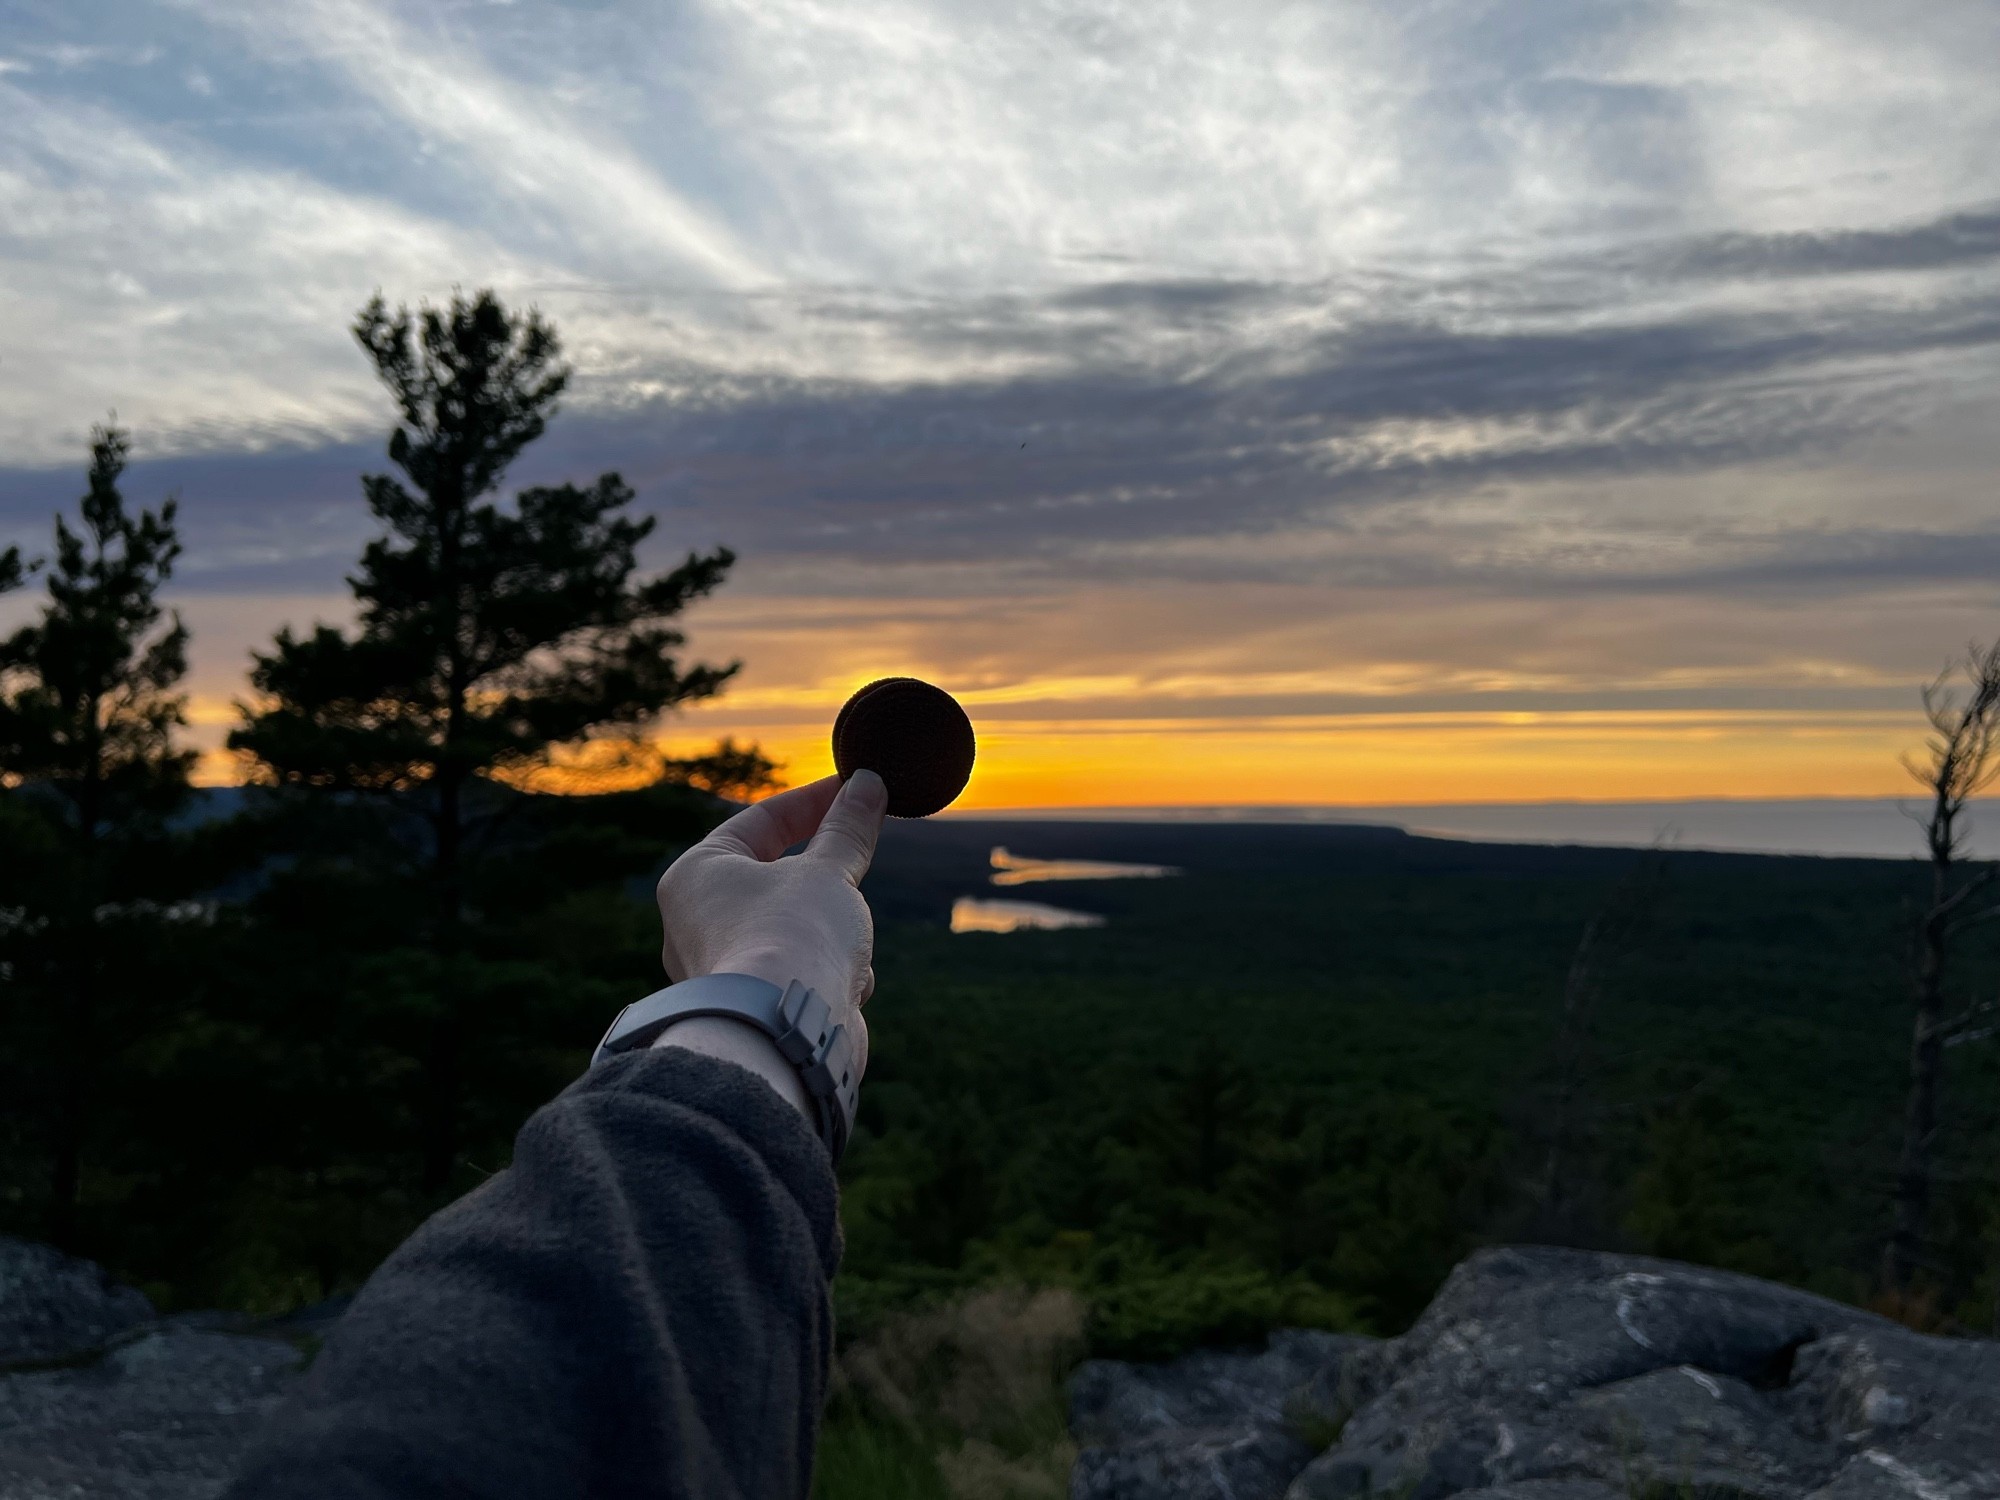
(638, 1305)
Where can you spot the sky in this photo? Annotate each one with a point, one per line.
(1347, 404)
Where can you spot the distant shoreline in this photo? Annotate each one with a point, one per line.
(1864, 827)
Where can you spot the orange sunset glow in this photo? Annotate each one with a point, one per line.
(1388, 758)
(1219, 694)
(1409, 758)
(1129, 696)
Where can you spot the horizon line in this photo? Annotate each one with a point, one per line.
(1243, 809)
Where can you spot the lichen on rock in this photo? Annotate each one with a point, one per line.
(1546, 1374)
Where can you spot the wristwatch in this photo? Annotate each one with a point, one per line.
(795, 1018)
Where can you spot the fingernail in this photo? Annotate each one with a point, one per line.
(869, 787)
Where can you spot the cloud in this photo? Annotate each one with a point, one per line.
(523, 146)
(717, 197)
(1337, 424)
(1950, 242)
(1122, 423)
(208, 302)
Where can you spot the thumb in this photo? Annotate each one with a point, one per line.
(847, 834)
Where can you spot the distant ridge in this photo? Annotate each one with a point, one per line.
(1867, 827)
(1852, 827)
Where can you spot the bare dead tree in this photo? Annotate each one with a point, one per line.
(1962, 758)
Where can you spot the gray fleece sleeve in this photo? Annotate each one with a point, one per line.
(638, 1307)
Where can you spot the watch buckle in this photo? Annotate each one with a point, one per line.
(805, 1018)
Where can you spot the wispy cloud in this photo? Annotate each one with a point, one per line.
(206, 300)
(1956, 240)
(527, 146)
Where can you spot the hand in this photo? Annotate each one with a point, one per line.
(730, 905)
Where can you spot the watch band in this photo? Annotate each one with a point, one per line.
(795, 1018)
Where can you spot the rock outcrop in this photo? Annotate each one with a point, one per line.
(1536, 1374)
(1209, 1424)
(1542, 1374)
(53, 1307)
(100, 1398)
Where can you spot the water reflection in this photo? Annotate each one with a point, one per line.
(1016, 869)
(980, 914)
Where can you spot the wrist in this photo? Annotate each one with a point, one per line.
(793, 1039)
(740, 1043)
(781, 966)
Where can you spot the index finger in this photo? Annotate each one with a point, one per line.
(764, 830)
